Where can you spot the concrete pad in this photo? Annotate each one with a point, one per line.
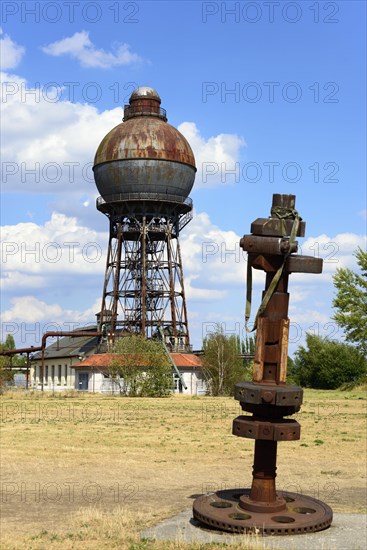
(347, 532)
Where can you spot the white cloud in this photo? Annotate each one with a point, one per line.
(28, 318)
(62, 246)
(337, 251)
(309, 316)
(34, 256)
(80, 47)
(196, 294)
(12, 279)
(10, 52)
(214, 254)
(49, 146)
(29, 309)
(216, 157)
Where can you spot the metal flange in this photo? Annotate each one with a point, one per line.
(281, 396)
(301, 514)
(274, 430)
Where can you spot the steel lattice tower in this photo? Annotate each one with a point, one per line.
(145, 169)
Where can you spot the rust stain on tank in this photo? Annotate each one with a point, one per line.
(144, 138)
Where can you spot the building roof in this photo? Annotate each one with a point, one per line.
(70, 346)
(102, 360)
(98, 360)
(186, 360)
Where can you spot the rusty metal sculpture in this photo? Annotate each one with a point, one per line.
(271, 248)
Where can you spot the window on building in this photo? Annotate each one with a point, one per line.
(46, 375)
(66, 375)
(59, 374)
(52, 374)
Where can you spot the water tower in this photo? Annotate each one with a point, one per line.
(144, 170)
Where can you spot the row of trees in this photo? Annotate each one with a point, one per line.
(327, 364)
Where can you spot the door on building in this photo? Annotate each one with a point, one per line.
(83, 381)
(178, 388)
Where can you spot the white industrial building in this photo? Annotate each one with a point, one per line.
(78, 363)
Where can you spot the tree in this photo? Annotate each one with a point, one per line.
(9, 343)
(222, 363)
(328, 364)
(292, 377)
(6, 375)
(351, 301)
(248, 348)
(249, 344)
(141, 367)
(15, 360)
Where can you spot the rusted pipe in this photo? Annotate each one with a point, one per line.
(42, 348)
(20, 350)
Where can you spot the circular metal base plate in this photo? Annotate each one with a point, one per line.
(221, 510)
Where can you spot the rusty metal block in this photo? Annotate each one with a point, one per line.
(246, 426)
(271, 352)
(274, 227)
(246, 391)
(255, 244)
(268, 263)
(287, 396)
(288, 430)
(303, 264)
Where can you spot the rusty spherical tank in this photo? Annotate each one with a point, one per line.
(144, 154)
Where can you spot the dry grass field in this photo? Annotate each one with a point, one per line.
(92, 471)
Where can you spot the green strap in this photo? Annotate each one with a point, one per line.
(282, 213)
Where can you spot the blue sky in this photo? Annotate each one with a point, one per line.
(274, 92)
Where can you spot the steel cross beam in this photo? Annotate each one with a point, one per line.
(272, 248)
